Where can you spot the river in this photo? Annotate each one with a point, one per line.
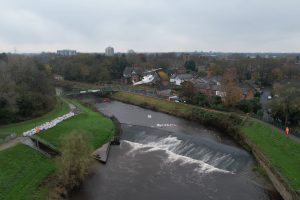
(165, 157)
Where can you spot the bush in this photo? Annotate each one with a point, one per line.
(249, 106)
(73, 164)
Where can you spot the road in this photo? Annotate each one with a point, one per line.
(264, 102)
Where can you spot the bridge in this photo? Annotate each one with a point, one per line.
(105, 89)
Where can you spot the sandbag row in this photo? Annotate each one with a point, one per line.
(48, 125)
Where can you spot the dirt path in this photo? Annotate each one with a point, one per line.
(11, 143)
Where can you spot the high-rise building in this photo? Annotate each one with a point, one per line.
(109, 51)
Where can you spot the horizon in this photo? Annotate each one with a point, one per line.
(151, 52)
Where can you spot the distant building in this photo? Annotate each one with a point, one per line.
(109, 51)
(130, 51)
(177, 79)
(66, 52)
(181, 70)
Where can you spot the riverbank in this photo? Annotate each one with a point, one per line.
(278, 155)
(23, 170)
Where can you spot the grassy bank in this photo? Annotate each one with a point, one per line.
(18, 128)
(97, 127)
(281, 152)
(23, 170)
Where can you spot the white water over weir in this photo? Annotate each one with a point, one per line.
(172, 157)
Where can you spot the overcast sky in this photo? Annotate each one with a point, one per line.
(150, 25)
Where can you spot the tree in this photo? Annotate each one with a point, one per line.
(233, 93)
(75, 160)
(286, 107)
(277, 74)
(8, 95)
(25, 89)
(249, 106)
(187, 92)
(214, 70)
(201, 100)
(190, 65)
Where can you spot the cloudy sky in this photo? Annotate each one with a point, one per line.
(150, 25)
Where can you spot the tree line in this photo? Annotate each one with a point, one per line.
(26, 90)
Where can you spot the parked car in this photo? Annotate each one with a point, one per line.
(269, 97)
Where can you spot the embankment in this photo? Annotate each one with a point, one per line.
(25, 172)
(278, 155)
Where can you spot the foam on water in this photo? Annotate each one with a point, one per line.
(171, 146)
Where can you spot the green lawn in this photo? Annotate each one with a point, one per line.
(282, 152)
(98, 128)
(22, 169)
(18, 128)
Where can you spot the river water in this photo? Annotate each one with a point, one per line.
(165, 157)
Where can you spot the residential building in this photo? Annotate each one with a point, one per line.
(247, 92)
(177, 79)
(132, 74)
(109, 51)
(201, 68)
(181, 70)
(207, 87)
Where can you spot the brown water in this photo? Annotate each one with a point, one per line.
(165, 157)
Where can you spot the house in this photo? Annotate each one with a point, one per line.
(201, 68)
(247, 92)
(131, 74)
(181, 70)
(177, 79)
(207, 87)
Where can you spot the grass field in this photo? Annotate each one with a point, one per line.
(18, 128)
(97, 127)
(22, 170)
(282, 153)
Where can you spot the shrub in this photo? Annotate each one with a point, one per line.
(73, 164)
